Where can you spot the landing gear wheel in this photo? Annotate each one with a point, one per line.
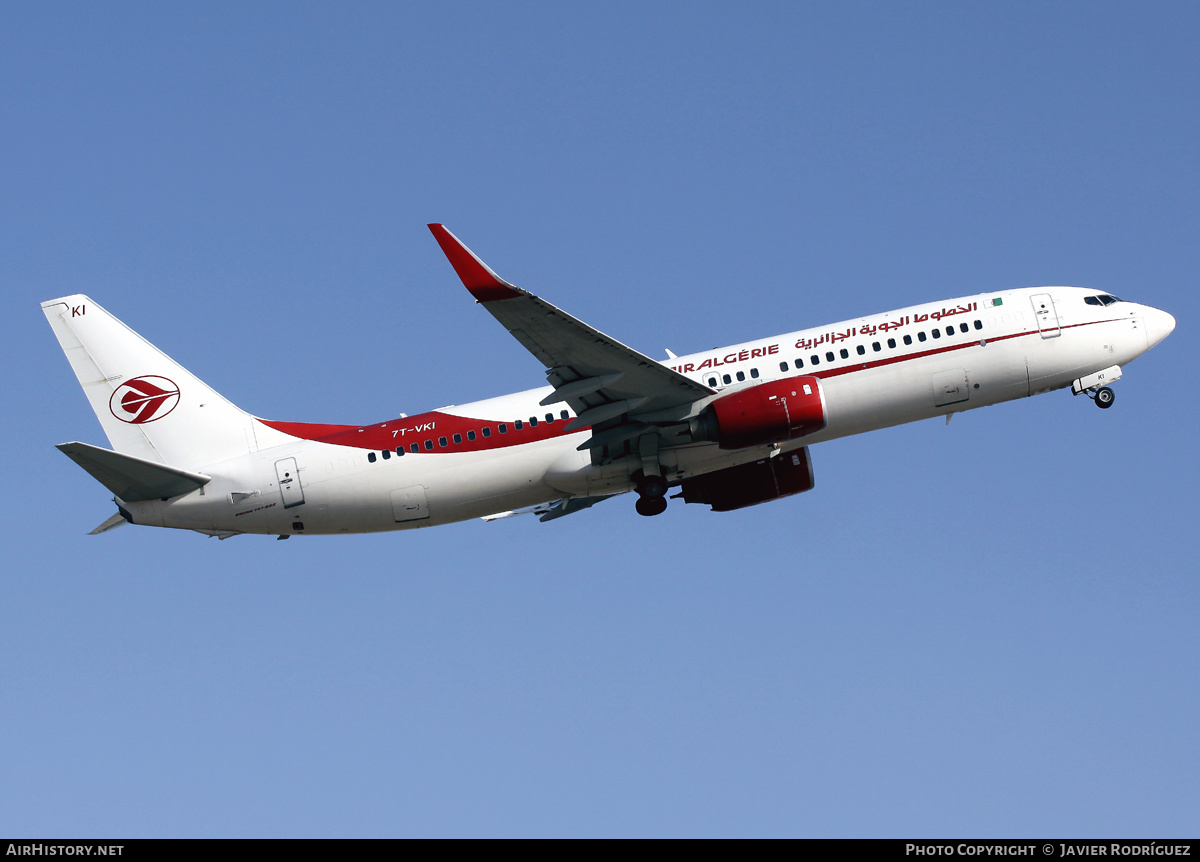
(1105, 397)
(652, 493)
(649, 506)
(652, 486)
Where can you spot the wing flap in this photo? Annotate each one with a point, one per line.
(580, 388)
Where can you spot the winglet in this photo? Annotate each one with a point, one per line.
(476, 275)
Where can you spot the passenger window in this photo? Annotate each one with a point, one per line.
(741, 375)
(727, 379)
(937, 333)
(457, 438)
(829, 356)
(470, 435)
(949, 330)
(712, 381)
(503, 428)
(441, 441)
(754, 373)
(415, 447)
(799, 362)
(876, 346)
(962, 327)
(386, 454)
(892, 343)
(549, 417)
(518, 425)
(783, 366)
(487, 432)
(563, 414)
(428, 445)
(399, 451)
(845, 353)
(979, 324)
(814, 359)
(532, 421)
(920, 336)
(371, 457)
(861, 350)
(908, 339)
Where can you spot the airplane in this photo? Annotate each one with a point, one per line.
(728, 428)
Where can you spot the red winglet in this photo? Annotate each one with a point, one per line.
(476, 275)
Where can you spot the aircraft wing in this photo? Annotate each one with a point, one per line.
(598, 376)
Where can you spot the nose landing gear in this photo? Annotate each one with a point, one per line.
(652, 494)
(1094, 386)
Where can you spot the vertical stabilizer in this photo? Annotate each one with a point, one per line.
(150, 406)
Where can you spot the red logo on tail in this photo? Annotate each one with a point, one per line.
(144, 399)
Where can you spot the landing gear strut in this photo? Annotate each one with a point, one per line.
(652, 494)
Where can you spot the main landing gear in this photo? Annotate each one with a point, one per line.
(652, 494)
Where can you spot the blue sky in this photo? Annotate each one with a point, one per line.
(981, 630)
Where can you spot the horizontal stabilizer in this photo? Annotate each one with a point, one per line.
(551, 510)
(132, 479)
(117, 520)
(570, 507)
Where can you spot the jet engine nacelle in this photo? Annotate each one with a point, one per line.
(771, 412)
(750, 484)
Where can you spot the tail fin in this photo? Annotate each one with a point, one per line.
(150, 406)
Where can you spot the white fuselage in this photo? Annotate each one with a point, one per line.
(875, 372)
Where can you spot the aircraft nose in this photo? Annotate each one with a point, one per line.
(1159, 325)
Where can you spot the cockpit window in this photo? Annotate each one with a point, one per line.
(1101, 299)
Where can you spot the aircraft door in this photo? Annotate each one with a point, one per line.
(288, 475)
(410, 504)
(1047, 317)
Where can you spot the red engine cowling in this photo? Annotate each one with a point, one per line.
(750, 484)
(768, 413)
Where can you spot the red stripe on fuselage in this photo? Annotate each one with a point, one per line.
(434, 425)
